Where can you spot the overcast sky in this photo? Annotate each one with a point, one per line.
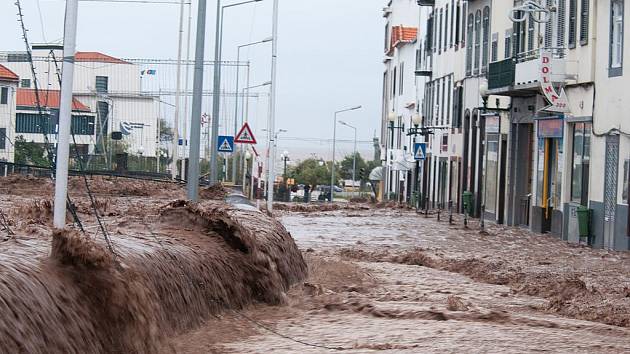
(330, 53)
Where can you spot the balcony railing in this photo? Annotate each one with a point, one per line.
(556, 53)
(501, 73)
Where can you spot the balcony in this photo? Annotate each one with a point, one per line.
(521, 75)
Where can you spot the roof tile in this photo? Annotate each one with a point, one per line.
(47, 98)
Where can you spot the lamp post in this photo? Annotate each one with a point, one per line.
(285, 158)
(216, 102)
(483, 92)
(332, 174)
(415, 131)
(270, 169)
(238, 60)
(354, 155)
(392, 117)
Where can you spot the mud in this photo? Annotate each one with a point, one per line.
(175, 265)
(216, 192)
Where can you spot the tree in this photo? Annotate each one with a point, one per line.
(313, 172)
(30, 153)
(347, 163)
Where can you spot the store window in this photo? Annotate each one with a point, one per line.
(581, 162)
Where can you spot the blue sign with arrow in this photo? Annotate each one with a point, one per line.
(225, 144)
(420, 151)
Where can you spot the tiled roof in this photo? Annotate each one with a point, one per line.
(97, 57)
(7, 75)
(402, 34)
(47, 98)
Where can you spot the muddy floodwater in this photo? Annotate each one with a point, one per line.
(394, 282)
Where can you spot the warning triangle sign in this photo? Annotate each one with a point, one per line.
(245, 136)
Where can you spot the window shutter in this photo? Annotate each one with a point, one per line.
(572, 22)
(450, 41)
(495, 47)
(508, 44)
(531, 33)
(548, 31)
(441, 27)
(446, 28)
(469, 45)
(429, 45)
(562, 11)
(477, 39)
(584, 22)
(486, 39)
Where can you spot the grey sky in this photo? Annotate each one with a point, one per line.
(330, 53)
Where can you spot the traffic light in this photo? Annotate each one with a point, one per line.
(362, 174)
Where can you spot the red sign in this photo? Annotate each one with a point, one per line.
(245, 136)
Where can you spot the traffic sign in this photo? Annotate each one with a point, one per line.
(420, 151)
(245, 136)
(225, 144)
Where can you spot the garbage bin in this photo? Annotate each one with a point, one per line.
(468, 196)
(584, 221)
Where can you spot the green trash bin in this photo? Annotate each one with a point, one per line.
(584, 221)
(468, 196)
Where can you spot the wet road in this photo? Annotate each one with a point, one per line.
(394, 282)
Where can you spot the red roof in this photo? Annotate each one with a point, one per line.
(47, 98)
(7, 75)
(97, 57)
(402, 34)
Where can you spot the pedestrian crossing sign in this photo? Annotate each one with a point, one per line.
(226, 144)
(245, 136)
(420, 151)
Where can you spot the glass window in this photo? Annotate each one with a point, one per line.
(581, 162)
(486, 38)
(25, 83)
(626, 175)
(102, 84)
(616, 34)
(4, 95)
(3, 135)
(477, 38)
(469, 46)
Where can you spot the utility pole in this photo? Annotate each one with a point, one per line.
(178, 95)
(216, 97)
(272, 109)
(65, 113)
(195, 127)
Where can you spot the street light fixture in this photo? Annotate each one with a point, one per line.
(217, 87)
(332, 174)
(238, 67)
(354, 155)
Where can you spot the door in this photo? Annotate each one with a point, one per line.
(611, 174)
(502, 181)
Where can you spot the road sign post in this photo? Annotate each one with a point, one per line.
(225, 144)
(420, 151)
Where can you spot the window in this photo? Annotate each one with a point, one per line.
(508, 44)
(4, 95)
(446, 29)
(477, 39)
(616, 38)
(394, 78)
(3, 136)
(443, 105)
(450, 38)
(530, 33)
(457, 25)
(440, 26)
(25, 83)
(464, 12)
(387, 37)
(102, 84)
(469, 48)
(435, 31)
(581, 163)
(429, 46)
(572, 22)
(419, 58)
(449, 91)
(562, 25)
(584, 22)
(34, 123)
(402, 78)
(549, 30)
(486, 38)
(495, 47)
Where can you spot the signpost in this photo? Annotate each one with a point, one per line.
(558, 100)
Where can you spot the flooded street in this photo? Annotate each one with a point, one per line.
(395, 282)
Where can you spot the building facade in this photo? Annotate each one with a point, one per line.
(8, 89)
(522, 109)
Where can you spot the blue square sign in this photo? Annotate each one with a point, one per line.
(420, 151)
(225, 144)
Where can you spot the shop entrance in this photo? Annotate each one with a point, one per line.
(550, 163)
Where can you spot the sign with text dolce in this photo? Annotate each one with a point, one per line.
(558, 101)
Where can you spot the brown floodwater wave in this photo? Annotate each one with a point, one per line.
(67, 294)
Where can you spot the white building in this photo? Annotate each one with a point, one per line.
(399, 97)
(110, 87)
(8, 88)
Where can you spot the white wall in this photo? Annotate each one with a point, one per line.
(7, 120)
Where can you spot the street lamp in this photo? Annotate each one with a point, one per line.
(332, 175)
(285, 158)
(238, 67)
(354, 155)
(217, 86)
